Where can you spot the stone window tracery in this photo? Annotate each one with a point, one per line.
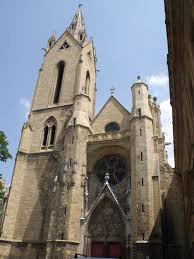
(45, 136)
(114, 165)
(65, 45)
(49, 133)
(112, 127)
(53, 129)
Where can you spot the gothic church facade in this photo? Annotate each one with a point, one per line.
(97, 185)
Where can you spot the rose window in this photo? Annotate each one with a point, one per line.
(115, 166)
(112, 127)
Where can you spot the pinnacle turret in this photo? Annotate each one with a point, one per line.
(77, 26)
(52, 40)
(140, 99)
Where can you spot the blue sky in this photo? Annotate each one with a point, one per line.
(130, 40)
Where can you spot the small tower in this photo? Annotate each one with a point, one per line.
(142, 166)
(51, 40)
(140, 104)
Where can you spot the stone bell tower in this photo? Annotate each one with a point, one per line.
(46, 195)
(145, 173)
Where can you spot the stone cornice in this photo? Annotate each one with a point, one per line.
(18, 241)
(142, 117)
(67, 106)
(82, 94)
(108, 136)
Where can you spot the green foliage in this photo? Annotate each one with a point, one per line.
(2, 190)
(4, 152)
(4, 155)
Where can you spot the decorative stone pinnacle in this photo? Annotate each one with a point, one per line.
(80, 5)
(107, 177)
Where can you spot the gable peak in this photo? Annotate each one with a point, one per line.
(77, 26)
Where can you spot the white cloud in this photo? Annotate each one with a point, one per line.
(159, 80)
(26, 103)
(159, 85)
(166, 119)
(171, 161)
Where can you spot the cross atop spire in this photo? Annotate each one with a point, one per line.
(138, 79)
(77, 26)
(112, 90)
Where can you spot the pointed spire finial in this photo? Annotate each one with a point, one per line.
(107, 178)
(53, 36)
(77, 26)
(52, 40)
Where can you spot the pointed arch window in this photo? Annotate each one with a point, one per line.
(45, 136)
(49, 134)
(52, 139)
(87, 83)
(60, 72)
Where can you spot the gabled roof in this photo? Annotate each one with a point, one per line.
(76, 28)
(112, 98)
(101, 195)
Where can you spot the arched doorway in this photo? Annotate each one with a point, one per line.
(106, 230)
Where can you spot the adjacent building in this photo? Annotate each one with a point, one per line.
(180, 34)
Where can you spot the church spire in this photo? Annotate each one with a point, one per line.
(77, 26)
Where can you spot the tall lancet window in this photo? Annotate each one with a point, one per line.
(60, 72)
(45, 136)
(87, 83)
(49, 134)
(52, 138)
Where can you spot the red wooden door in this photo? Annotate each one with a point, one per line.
(97, 249)
(114, 250)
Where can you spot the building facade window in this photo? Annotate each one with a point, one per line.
(112, 127)
(45, 136)
(141, 156)
(49, 134)
(60, 72)
(139, 113)
(74, 122)
(52, 139)
(87, 83)
(115, 166)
